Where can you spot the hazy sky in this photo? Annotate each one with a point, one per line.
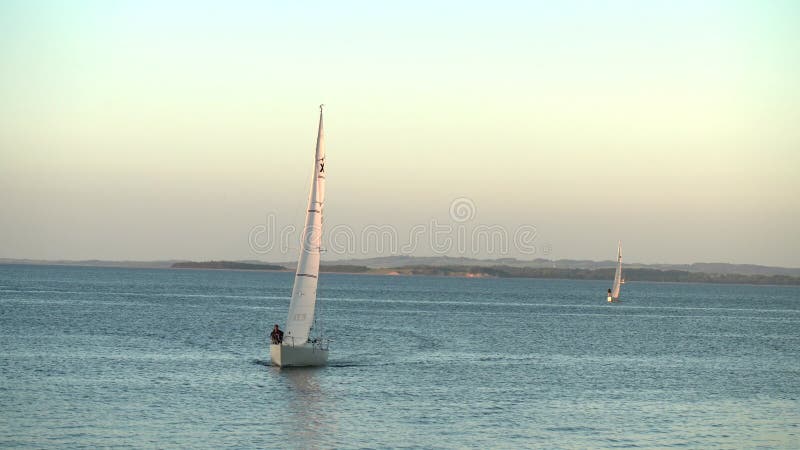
(159, 130)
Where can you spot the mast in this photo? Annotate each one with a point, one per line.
(304, 293)
(618, 273)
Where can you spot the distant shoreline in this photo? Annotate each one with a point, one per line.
(486, 270)
(225, 265)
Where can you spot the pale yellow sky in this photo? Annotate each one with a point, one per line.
(141, 131)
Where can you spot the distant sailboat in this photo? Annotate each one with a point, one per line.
(298, 347)
(613, 293)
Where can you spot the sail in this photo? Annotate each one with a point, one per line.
(304, 293)
(618, 273)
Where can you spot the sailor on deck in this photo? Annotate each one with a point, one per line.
(276, 335)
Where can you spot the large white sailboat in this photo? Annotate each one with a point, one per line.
(613, 293)
(299, 347)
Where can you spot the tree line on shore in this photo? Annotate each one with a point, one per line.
(502, 271)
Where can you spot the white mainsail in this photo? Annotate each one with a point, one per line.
(618, 273)
(304, 293)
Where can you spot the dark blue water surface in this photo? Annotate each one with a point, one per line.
(178, 358)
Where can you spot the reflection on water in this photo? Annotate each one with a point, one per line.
(306, 405)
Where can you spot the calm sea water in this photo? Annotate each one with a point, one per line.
(178, 358)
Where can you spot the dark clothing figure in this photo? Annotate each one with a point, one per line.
(276, 335)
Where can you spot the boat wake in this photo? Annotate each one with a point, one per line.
(348, 364)
(262, 362)
(268, 363)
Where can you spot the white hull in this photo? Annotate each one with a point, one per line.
(306, 355)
